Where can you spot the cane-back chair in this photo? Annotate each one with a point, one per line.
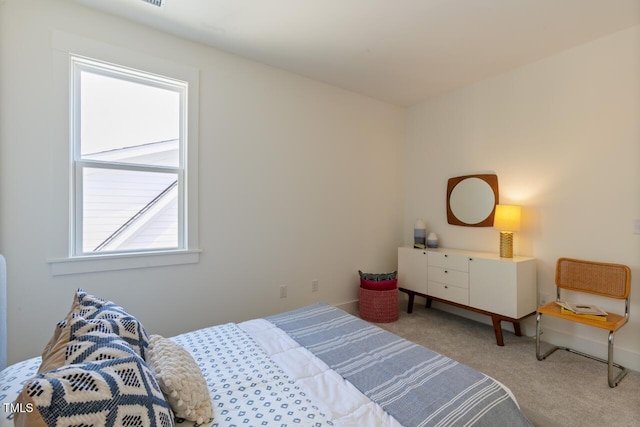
(603, 279)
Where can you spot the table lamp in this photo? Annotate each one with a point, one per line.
(507, 220)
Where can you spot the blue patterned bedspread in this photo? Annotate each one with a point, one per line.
(417, 386)
(246, 386)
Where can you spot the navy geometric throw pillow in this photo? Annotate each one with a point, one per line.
(104, 315)
(113, 387)
(115, 392)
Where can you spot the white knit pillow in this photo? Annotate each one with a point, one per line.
(180, 379)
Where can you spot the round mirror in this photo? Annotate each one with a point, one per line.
(471, 200)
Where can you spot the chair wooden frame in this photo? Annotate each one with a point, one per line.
(603, 279)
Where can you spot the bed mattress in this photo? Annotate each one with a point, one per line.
(320, 366)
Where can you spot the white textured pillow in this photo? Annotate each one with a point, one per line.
(180, 379)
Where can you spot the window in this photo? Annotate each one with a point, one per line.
(124, 159)
(128, 144)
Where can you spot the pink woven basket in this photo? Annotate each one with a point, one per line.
(379, 306)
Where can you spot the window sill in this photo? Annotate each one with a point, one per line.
(97, 263)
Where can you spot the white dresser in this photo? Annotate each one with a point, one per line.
(503, 288)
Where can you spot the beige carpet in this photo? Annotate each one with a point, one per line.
(564, 390)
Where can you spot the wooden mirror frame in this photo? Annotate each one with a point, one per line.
(491, 180)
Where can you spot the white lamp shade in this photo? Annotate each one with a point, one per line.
(507, 218)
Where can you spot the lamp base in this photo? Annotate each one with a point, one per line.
(506, 244)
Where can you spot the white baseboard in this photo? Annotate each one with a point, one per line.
(350, 307)
(622, 356)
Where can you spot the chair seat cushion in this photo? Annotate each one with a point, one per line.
(612, 323)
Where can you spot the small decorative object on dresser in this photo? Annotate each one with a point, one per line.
(432, 240)
(419, 233)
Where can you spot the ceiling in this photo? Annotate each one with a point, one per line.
(398, 51)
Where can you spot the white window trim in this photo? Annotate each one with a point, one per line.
(62, 245)
(80, 64)
(110, 262)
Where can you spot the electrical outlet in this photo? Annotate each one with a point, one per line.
(283, 291)
(314, 286)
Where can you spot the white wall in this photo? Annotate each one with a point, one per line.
(299, 181)
(302, 181)
(562, 135)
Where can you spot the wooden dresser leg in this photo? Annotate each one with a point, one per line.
(410, 305)
(498, 330)
(516, 329)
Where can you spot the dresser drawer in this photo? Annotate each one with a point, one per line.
(449, 277)
(449, 292)
(449, 261)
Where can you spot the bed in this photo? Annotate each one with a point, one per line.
(313, 366)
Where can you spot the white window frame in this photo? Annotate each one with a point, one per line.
(81, 64)
(67, 256)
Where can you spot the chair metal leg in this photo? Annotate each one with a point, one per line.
(538, 315)
(623, 371)
(613, 381)
(538, 333)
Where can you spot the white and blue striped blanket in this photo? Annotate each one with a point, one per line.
(417, 386)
